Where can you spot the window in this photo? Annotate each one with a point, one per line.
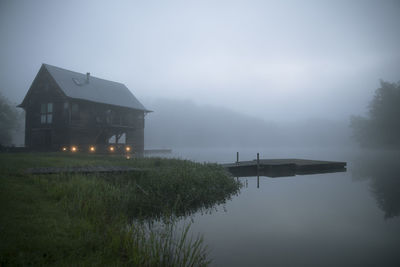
(46, 113)
(75, 111)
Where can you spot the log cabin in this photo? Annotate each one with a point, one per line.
(67, 110)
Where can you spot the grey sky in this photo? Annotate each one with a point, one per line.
(273, 59)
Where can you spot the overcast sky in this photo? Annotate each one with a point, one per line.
(277, 60)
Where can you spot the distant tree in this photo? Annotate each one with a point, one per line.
(382, 126)
(8, 121)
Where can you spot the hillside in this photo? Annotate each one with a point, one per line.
(177, 123)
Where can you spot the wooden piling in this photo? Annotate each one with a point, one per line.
(258, 161)
(258, 170)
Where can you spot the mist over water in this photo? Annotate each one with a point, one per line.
(334, 219)
(225, 73)
(183, 124)
(274, 60)
(279, 78)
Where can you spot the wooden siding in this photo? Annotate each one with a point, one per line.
(76, 121)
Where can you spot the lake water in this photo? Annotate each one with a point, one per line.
(338, 219)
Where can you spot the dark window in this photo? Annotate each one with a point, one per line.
(65, 109)
(75, 111)
(46, 113)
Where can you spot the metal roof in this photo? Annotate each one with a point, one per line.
(76, 85)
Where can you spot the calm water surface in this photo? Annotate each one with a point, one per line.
(337, 219)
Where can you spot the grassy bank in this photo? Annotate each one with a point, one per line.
(103, 219)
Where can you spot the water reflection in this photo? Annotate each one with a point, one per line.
(309, 220)
(283, 172)
(280, 173)
(383, 172)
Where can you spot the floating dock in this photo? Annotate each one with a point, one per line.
(283, 167)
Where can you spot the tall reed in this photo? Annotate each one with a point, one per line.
(99, 220)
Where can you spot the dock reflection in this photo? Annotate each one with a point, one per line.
(279, 173)
(248, 173)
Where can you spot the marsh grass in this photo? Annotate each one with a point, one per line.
(111, 220)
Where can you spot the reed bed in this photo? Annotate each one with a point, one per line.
(113, 220)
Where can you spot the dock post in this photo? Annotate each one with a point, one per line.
(237, 157)
(258, 162)
(258, 168)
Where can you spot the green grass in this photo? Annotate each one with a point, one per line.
(105, 219)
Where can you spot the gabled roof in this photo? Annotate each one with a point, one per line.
(75, 85)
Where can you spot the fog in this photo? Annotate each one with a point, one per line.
(178, 124)
(272, 65)
(274, 79)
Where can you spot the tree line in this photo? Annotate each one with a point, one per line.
(10, 119)
(381, 126)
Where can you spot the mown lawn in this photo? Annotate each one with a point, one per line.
(72, 219)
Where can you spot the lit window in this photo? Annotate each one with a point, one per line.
(46, 113)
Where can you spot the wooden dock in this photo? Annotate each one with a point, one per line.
(283, 167)
(83, 170)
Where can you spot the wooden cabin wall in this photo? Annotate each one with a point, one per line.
(44, 135)
(136, 139)
(92, 114)
(76, 121)
(97, 123)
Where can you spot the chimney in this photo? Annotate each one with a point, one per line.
(87, 77)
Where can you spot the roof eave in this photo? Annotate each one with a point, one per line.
(102, 103)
